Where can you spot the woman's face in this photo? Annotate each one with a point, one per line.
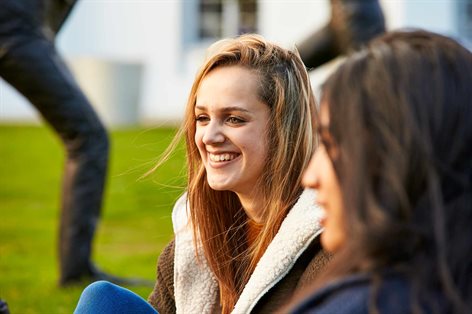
(231, 129)
(320, 175)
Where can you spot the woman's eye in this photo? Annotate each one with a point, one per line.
(326, 143)
(330, 148)
(235, 120)
(201, 118)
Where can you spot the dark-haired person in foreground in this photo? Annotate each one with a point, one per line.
(394, 176)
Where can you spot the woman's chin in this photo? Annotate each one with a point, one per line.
(330, 243)
(219, 186)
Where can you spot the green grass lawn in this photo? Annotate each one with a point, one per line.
(135, 225)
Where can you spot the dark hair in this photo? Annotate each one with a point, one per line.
(401, 119)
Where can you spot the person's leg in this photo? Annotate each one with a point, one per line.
(103, 297)
(319, 48)
(352, 24)
(34, 68)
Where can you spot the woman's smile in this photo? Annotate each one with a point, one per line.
(222, 157)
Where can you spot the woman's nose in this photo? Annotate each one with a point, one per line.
(310, 175)
(213, 134)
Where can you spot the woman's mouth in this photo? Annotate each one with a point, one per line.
(223, 157)
(323, 216)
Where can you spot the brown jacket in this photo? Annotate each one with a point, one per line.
(307, 267)
(292, 261)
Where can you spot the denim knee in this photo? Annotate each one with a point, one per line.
(104, 297)
(100, 288)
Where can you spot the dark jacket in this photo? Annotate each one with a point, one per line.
(356, 294)
(46, 15)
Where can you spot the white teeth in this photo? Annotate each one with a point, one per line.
(222, 157)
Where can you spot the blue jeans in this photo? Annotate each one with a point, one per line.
(106, 298)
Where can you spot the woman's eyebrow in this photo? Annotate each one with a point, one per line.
(224, 109)
(234, 108)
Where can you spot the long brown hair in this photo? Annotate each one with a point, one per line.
(218, 219)
(401, 119)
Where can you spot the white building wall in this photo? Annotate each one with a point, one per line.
(438, 16)
(147, 32)
(286, 22)
(155, 35)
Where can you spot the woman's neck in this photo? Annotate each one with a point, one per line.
(252, 205)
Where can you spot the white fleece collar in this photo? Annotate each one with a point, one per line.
(196, 289)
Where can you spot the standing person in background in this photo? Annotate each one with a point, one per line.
(352, 24)
(394, 176)
(30, 63)
(246, 234)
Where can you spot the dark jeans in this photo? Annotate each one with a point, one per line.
(31, 64)
(102, 297)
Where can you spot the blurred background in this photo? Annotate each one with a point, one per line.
(136, 60)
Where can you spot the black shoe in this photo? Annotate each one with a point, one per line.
(94, 274)
(121, 281)
(4, 307)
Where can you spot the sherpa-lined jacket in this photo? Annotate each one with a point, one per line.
(291, 261)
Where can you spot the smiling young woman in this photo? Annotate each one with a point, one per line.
(246, 234)
(231, 134)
